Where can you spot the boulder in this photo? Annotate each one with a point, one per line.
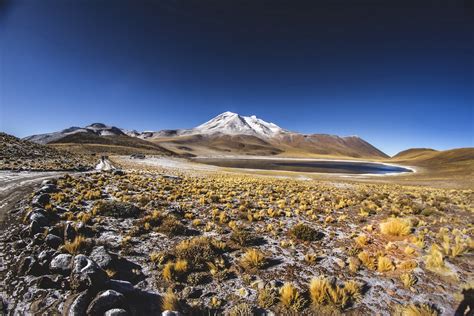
(102, 257)
(76, 305)
(41, 200)
(105, 301)
(53, 241)
(48, 188)
(39, 216)
(61, 264)
(121, 286)
(86, 274)
(29, 266)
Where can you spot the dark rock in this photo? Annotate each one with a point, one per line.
(45, 257)
(61, 264)
(118, 172)
(76, 305)
(121, 286)
(38, 239)
(35, 228)
(47, 282)
(39, 216)
(48, 188)
(47, 182)
(29, 266)
(41, 200)
(104, 301)
(102, 257)
(87, 274)
(53, 241)
(116, 312)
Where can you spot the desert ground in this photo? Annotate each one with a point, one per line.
(169, 234)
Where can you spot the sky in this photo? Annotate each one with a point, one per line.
(399, 74)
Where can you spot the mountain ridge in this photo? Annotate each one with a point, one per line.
(227, 132)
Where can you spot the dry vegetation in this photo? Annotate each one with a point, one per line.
(236, 243)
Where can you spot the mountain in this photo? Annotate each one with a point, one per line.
(97, 129)
(227, 133)
(18, 154)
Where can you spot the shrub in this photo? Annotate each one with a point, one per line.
(174, 271)
(253, 259)
(267, 297)
(172, 227)
(305, 233)
(243, 238)
(396, 227)
(242, 309)
(197, 251)
(116, 209)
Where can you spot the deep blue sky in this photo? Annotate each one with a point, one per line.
(399, 75)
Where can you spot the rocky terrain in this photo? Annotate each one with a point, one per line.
(139, 242)
(17, 154)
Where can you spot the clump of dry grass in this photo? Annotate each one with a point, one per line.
(323, 291)
(384, 264)
(396, 227)
(290, 298)
(79, 243)
(408, 279)
(253, 259)
(367, 260)
(170, 301)
(416, 310)
(174, 271)
(242, 309)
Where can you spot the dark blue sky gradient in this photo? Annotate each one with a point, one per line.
(399, 75)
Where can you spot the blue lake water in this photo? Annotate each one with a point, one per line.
(320, 166)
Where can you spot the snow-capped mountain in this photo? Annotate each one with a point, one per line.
(230, 123)
(227, 132)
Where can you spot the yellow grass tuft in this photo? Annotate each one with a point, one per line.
(170, 301)
(396, 227)
(384, 264)
(253, 259)
(290, 298)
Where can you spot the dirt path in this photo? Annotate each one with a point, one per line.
(14, 186)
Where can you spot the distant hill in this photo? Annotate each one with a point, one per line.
(17, 154)
(414, 153)
(226, 134)
(426, 156)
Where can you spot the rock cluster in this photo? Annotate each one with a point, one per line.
(49, 280)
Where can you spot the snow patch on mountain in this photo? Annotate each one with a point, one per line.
(234, 124)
